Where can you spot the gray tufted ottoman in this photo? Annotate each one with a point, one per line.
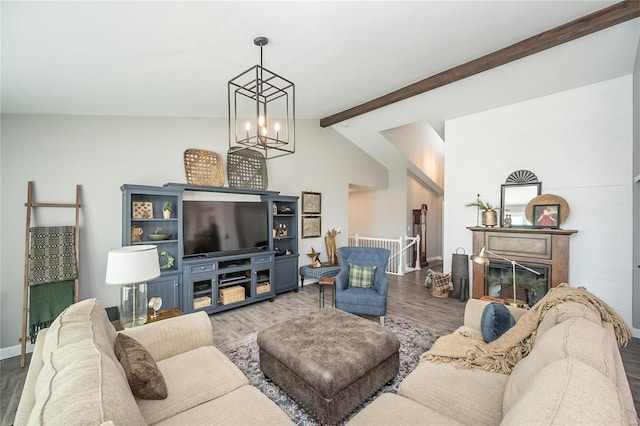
(329, 361)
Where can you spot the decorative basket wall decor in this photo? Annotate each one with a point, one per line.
(203, 167)
(247, 169)
(548, 199)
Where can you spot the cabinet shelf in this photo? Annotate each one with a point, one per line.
(142, 215)
(145, 242)
(223, 283)
(202, 293)
(154, 219)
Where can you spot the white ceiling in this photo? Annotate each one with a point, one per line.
(174, 58)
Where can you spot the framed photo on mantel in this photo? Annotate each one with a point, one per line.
(546, 216)
(311, 203)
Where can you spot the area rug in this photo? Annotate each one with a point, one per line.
(244, 353)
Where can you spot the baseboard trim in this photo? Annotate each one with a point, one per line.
(11, 351)
(636, 332)
(434, 258)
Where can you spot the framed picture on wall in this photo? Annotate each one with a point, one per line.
(311, 226)
(546, 216)
(311, 202)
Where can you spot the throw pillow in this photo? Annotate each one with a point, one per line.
(496, 320)
(361, 276)
(143, 375)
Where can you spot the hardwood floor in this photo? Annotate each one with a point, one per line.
(408, 300)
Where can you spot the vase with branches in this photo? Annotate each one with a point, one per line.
(330, 241)
(489, 214)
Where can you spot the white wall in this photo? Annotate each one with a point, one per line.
(579, 144)
(417, 195)
(636, 193)
(423, 147)
(380, 213)
(102, 153)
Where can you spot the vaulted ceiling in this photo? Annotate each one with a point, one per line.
(174, 58)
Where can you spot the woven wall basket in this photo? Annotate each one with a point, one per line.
(203, 168)
(548, 199)
(247, 169)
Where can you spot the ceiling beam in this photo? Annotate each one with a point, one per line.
(599, 20)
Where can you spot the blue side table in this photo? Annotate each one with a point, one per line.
(307, 271)
(321, 274)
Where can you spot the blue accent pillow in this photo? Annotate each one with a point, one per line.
(496, 320)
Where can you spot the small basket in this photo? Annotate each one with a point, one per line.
(203, 167)
(247, 169)
(263, 288)
(231, 294)
(439, 283)
(201, 302)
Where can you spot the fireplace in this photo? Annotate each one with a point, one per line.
(529, 287)
(543, 250)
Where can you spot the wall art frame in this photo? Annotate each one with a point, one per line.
(311, 226)
(311, 203)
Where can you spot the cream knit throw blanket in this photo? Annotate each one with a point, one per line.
(501, 355)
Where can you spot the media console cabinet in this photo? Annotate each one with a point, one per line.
(219, 282)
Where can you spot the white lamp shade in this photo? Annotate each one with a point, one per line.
(132, 264)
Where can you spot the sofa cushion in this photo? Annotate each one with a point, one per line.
(78, 384)
(573, 338)
(361, 276)
(192, 378)
(145, 380)
(391, 409)
(86, 319)
(565, 311)
(244, 406)
(568, 392)
(467, 396)
(496, 320)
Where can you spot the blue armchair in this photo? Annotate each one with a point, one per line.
(354, 297)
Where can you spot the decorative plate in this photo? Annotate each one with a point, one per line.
(548, 199)
(159, 237)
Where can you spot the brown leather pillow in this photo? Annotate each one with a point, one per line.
(145, 379)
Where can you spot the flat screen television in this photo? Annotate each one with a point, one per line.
(224, 227)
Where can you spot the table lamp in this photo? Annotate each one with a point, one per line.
(482, 259)
(131, 267)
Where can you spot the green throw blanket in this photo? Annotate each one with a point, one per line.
(46, 301)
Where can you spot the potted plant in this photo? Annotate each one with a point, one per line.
(489, 214)
(527, 288)
(167, 208)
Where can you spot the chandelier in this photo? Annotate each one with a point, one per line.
(262, 111)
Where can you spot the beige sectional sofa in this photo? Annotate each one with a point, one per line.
(572, 376)
(75, 377)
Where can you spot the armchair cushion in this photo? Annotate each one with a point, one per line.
(361, 276)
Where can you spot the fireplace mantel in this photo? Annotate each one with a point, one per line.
(548, 247)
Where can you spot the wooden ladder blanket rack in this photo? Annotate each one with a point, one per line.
(31, 204)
